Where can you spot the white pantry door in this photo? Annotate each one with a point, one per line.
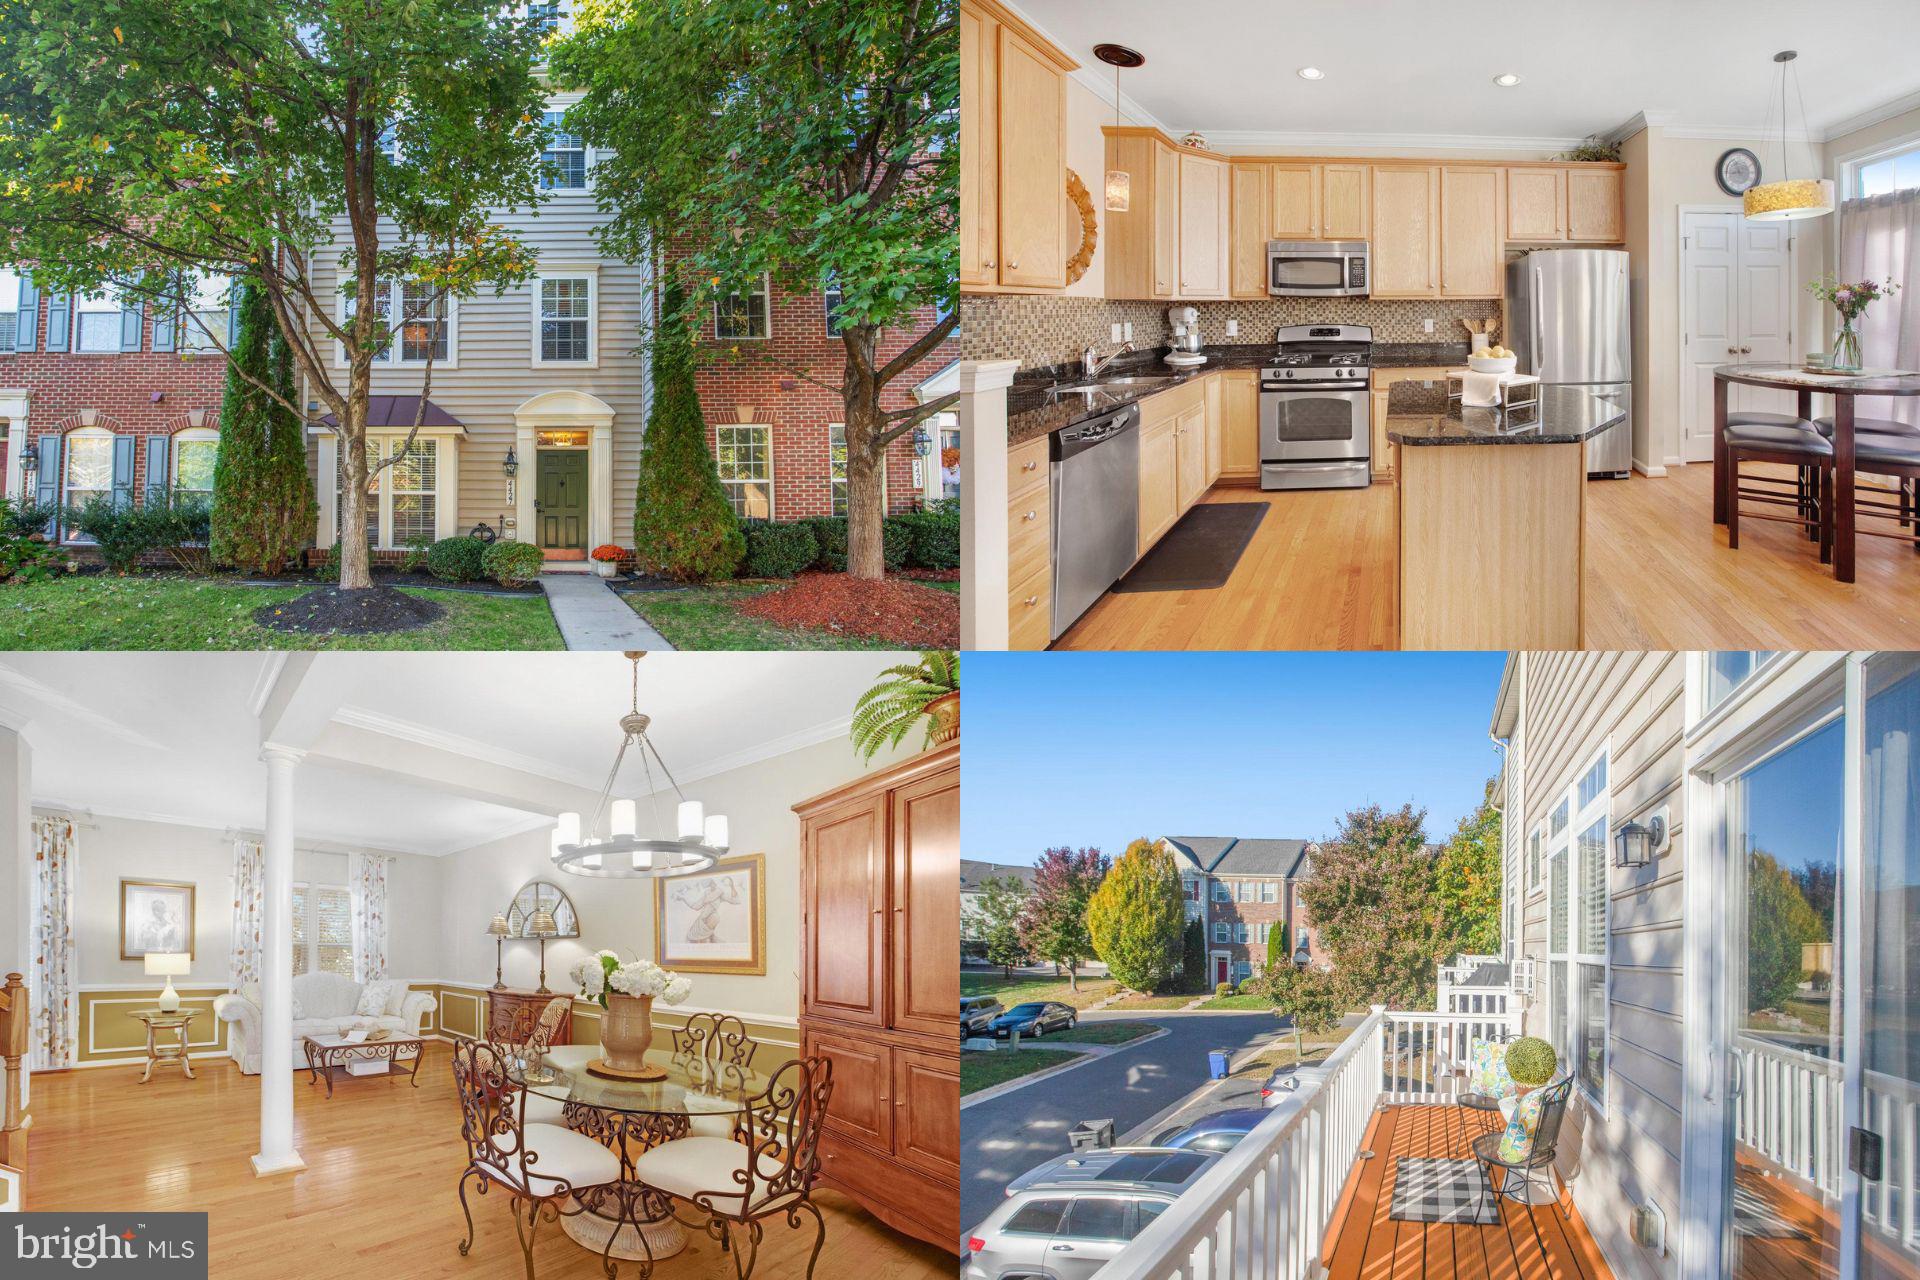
(1736, 307)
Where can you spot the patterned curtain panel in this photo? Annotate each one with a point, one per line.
(249, 901)
(367, 887)
(54, 979)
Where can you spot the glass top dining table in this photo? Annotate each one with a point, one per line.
(692, 1086)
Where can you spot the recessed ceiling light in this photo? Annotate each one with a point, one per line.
(1506, 80)
(1311, 73)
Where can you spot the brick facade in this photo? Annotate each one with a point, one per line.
(1244, 892)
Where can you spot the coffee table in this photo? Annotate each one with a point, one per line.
(329, 1056)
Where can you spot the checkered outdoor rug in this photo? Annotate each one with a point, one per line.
(1441, 1191)
(1753, 1216)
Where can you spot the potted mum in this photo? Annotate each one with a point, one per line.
(1851, 301)
(627, 993)
(607, 558)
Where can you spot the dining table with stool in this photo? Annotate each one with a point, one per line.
(1836, 448)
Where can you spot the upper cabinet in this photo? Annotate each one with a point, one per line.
(1406, 231)
(1172, 240)
(1289, 200)
(1013, 153)
(1596, 204)
(1584, 203)
(1203, 227)
(1470, 241)
(1346, 195)
(1295, 211)
(1247, 243)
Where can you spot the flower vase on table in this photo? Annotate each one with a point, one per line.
(627, 993)
(1846, 347)
(1850, 301)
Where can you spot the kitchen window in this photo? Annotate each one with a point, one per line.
(564, 319)
(9, 307)
(322, 930)
(96, 322)
(195, 450)
(744, 315)
(744, 456)
(563, 162)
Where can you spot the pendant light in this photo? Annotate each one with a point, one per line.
(1119, 181)
(1791, 197)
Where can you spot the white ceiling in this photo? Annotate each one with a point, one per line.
(176, 736)
(1400, 68)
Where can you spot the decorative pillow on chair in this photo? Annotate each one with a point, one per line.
(1516, 1144)
(1489, 1069)
(373, 998)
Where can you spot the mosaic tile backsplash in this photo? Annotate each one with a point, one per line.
(1039, 330)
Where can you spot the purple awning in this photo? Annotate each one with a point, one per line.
(399, 411)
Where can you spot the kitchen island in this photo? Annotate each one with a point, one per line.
(1490, 517)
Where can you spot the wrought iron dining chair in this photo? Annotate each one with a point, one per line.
(765, 1169)
(1540, 1151)
(721, 1040)
(540, 1166)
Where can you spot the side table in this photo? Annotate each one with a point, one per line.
(157, 1053)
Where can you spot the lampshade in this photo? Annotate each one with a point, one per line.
(498, 927)
(1119, 190)
(1789, 199)
(168, 964)
(717, 831)
(622, 817)
(542, 925)
(693, 819)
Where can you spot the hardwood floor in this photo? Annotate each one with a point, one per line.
(1363, 1241)
(378, 1195)
(1319, 575)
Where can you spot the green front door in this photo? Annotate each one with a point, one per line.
(560, 500)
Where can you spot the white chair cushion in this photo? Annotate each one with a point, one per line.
(556, 1155)
(708, 1166)
(544, 1110)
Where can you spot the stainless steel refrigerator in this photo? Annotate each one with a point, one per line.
(1567, 311)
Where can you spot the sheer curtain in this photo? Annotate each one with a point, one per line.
(54, 981)
(249, 898)
(367, 890)
(1880, 239)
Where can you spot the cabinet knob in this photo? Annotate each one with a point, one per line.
(1746, 351)
(1032, 600)
(1030, 466)
(1013, 266)
(1733, 351)
(1030, 515)
(992, 263)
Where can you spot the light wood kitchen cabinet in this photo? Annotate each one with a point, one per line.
(1203, 227)
(979, 150)
(1247, 232)
(1295, 208)
(1536, 204)
(1029, 546)
(1215, 394)
(1470, 243)
(1345, 196)
(1143, 243)
(1190, 448)
(1596, 205)
(1166, 221)
(1159, 480)
(1239, 424)
(1406, 231)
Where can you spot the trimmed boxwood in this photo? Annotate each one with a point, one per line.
(936, 537)
(896, 543)
(830, 533)
(777, 550)
(457, 559)
(512, 564)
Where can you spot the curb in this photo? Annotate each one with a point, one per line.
(1087, 1053)
(1159, 1118)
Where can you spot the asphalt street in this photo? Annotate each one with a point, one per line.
(1003, 1138)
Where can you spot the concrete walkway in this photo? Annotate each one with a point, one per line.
(592, 617)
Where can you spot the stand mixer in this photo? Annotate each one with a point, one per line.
(1184, 346)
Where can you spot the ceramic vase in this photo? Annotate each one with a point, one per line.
(944, 711)
(626, 1032)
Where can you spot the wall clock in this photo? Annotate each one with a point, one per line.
(1736, 170)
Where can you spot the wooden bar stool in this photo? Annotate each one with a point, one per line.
(1796, 445)
(1883, 453)
(1806, 482)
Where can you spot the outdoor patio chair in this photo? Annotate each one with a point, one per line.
(1540, 1151)
(1466, 1094)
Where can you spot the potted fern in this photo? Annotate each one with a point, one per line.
(904, 696)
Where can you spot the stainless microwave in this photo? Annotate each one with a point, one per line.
(1318, 269)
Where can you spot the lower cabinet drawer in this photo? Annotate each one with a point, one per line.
(1029, 537)
(1030, 611)
(904, 1199)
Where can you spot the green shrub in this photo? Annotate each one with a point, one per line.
(25, 517)
(457, 559)
(1531, 1061)
(120, 532)
(777, 550)
(896, 543)
(179, 524)
(512, 564)
(415, 558)
(830, 542)
(27, 559)
(936, 536)
(330, 567)
(1222, 989)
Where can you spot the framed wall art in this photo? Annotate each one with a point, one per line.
(713, 921)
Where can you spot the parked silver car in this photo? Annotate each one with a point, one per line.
(1069, 1217)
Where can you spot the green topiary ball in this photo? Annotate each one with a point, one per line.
(456, 559)
(512, 564)
(1531, 1061)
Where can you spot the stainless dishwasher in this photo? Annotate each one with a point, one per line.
(1096, 492)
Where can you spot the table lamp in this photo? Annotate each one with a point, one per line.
(499, 930)
(541, 926)
(172, 964)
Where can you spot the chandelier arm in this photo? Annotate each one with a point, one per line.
(606, 788)
(646, 745)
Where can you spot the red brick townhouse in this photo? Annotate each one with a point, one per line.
(1242, 892)
(98, 398)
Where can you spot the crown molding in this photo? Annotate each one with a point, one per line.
(1875, 115)
(1132, 110)
(798, 740)
(72, 709)
(1335, 143)
(1741, 133)
(264, 679)
(371, 721)
(313, 843)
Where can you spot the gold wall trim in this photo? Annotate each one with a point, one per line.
(463, 1012)
(109, 1034)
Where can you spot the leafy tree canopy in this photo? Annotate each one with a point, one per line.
(1001, 901)
(1372, 899)
(1137, 915)
(1053, 924)
(1467, 881)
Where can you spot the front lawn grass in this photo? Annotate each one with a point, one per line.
(1239, 1002)
(982, 1070)
(705, 618)
(1262, 1065)
(179, 611)
(1027, 986)
(1139, 1001)
(1104, 1032)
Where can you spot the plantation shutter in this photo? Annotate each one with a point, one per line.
(130, 325)
(23, 331)
(122, 472)
(59, 320)
(233, 315)
(46, 489)
(157, 467)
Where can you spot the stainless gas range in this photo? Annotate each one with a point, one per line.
(1314, 417)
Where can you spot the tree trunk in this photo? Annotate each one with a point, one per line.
(866, 458)
(356, 572)
(1073, 977)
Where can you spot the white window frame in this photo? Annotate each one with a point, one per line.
(1563, 1023)
(192, 336)
(559, 106)
(9, 279)
(388, 534)
(312, 922)
(1535, 854)
(765, 291)
(590, 272)
(1222, 892)
(188, 435)
(767, 430)
(828, 292)
(1847, 167)
(67, 535)
(108, 299)
(391, 357)
(1269, 891)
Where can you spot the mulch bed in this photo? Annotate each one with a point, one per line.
(421, 578)
(904, 613)
(932, 575)
(331, 611)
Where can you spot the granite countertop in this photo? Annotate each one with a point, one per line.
(1419, 413)
(1032, 412)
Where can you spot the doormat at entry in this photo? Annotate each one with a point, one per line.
(1200, 552)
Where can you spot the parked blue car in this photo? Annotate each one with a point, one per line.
(1034, 1019)
(1216, 1131)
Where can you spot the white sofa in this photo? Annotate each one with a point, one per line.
(322, 1002)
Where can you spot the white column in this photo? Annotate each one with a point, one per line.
(16, 867)
(276, 1154)
(13, 408)
(600, 478)
(983, 502)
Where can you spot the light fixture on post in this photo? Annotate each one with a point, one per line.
(1119, 181)
(30, 458)
(1634, 843)
(586, 848)
(499, 930)
(1790, 197)
(922, 441)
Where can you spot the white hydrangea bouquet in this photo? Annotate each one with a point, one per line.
(603, 973)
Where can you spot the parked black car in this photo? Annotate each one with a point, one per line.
(977, 1014)
(1035, 1018)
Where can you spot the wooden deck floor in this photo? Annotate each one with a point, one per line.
(1365, 1244)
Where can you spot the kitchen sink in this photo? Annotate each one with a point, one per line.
(1110, 384)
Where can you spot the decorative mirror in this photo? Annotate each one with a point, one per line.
(1082, 212)
(535, 895)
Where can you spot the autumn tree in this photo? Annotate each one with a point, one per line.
(1137, 915)
(1373, 901)
(1780, 922)
(324, 148)
(1001, 900)
(1312, 999)
(1467, 881)
(1053, 923)
(803, 143)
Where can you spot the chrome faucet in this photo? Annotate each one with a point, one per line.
(1091, 362)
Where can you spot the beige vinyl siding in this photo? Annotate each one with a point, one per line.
(1632, 704)
(495, 350)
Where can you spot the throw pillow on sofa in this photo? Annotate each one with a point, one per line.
(397, 998)
(373, 998)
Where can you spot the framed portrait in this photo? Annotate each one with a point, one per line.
(714, 921)
(155, 915)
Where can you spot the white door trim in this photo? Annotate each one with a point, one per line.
(1796, 345)
(567, 410)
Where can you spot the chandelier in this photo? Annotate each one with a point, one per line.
(608, 842)
(1788, 198)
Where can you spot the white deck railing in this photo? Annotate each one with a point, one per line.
(1418, 1047)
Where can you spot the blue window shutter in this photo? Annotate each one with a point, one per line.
(122, 472)
(24, 329)
(59, 320)
(130, 325)
(233, 315)
(46, 487)
(158, 481)
(166, 322)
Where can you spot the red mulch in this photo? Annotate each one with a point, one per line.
(903, 613)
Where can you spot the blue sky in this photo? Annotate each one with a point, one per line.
(1096, 749)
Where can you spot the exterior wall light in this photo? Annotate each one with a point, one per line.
(512, 465)
(1634, 843)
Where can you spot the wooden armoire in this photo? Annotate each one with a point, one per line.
(880, 997)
